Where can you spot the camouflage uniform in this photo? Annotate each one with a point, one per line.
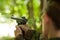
(30, 35)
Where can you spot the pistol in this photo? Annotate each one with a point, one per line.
(20, 21)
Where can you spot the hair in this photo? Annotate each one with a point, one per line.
(53, 11)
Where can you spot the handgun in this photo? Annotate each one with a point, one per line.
(20, 21)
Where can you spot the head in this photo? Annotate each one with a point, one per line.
(52, 17)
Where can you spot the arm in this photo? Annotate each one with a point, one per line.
(32, 35)
(19, 37)
(28, 35)
(18, 34)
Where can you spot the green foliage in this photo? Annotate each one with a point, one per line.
(19, 8)
(7, 38)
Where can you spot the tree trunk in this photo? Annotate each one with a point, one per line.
(45, 35)
(31, 13)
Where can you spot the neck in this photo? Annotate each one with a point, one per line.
(54, 34)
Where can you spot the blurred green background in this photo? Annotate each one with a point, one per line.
(31, 9)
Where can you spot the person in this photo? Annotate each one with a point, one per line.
(51, 21)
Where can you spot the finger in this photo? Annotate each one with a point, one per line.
(17, 32)
(17, 27)
(23, 26)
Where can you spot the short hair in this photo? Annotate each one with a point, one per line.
(53, 11)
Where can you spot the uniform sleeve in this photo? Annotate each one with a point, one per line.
(19, 37)
(32, 35)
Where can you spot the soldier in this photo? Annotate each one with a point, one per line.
(52, 20)
(51, 23)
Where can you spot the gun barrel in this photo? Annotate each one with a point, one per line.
(20, 21)
(15, 18)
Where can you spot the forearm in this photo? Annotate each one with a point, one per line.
(29, 35)
(19, 37)
(32, 34)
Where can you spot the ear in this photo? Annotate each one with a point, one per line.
(46, 18)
